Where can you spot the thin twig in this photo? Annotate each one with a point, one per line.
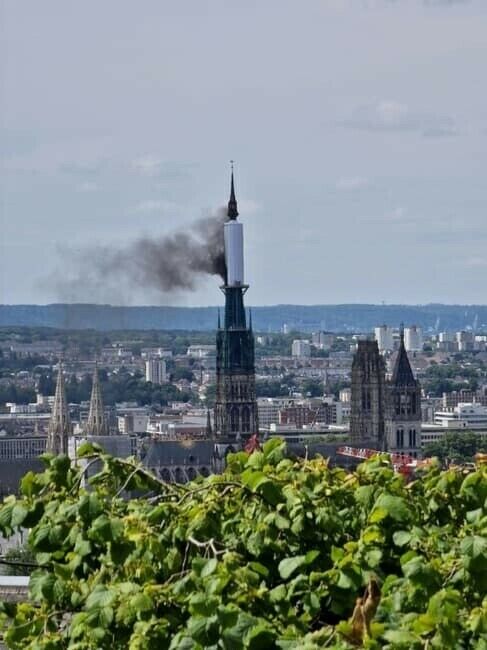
(94, 459)
(207, 545)
(330, 639)
(227, 484)
(130, 476)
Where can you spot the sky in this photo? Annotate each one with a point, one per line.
(358, 127)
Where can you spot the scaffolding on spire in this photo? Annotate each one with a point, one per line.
(59, 427)
(96, 424)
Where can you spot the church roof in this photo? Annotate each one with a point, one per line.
(402, 374)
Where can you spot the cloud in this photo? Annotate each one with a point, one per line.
(156, 205)
(73, 168)
(88, 186)
(165, 171)
(431, 3)
(80, 158)
(247, 207)
(397, 215)
(394, 117)
(444, 3)
(351, 183)
(476, 262)
(148, 165)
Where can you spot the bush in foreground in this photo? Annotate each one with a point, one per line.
(274, 553)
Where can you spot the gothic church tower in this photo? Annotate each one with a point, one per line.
(403, 419)
(236, 405)
(368, 396)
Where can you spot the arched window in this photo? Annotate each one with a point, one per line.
(412, 437)
(245, 419)
(399, 438)
(234, 419)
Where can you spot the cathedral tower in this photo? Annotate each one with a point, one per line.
(368, 396)
(403, 416)
(96, 424)
(59, 427)
(235, 404)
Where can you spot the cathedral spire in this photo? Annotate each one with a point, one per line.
(402, 374)
(97, 424)
(232, 212)
(60, 424)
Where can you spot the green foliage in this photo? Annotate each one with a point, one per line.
(460, 447)
(265, 388)
(18, 561)
(125, 386)
(447, 377)
(273, 553)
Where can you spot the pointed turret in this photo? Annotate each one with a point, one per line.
(232, 212)
(402, 374)
(97, 424)
(59, 427)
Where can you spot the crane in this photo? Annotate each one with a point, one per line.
(403, 463)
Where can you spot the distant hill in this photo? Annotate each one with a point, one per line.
(334, 318)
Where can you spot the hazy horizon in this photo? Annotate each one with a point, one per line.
(250, 305)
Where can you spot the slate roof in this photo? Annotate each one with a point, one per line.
(402, 374)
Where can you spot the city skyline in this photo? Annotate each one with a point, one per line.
(359, 139)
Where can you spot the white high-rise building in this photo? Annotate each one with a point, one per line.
(155, 371)
(384, 338)
(301, 348)
(322, 340)
(445, 337)
(465, 341)
(413, 339)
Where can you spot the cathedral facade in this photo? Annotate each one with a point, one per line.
(368, 396)
(385, 415)
(403, 416)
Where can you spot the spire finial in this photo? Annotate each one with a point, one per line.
(232, 212)
(59, 424)
(97, 423)
(401, 332)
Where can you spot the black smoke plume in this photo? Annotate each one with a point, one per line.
(167, 263)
